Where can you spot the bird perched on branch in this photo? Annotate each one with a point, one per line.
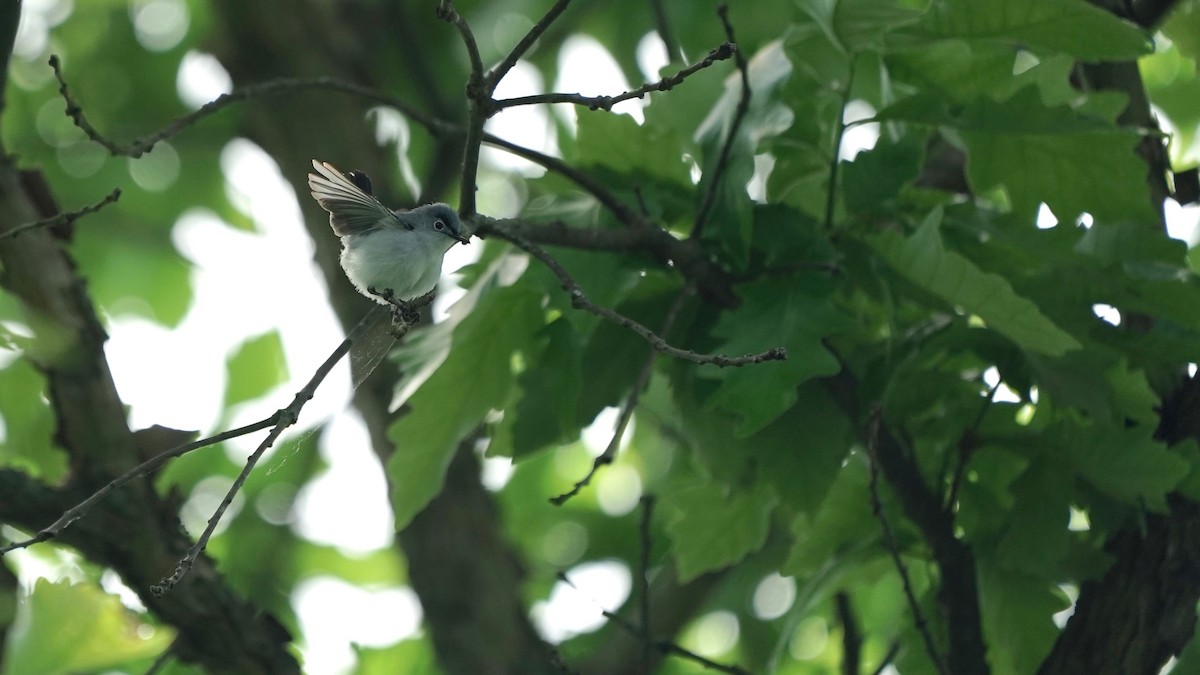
(391, 257)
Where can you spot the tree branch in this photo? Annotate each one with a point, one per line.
(710, 192)
(580, 301)
(478, 108)
(137, 530)
(851, 638)
(144, 144)
(711, 281)
(1145, 604)
(958, 593)
(492, 79)
(64, 218)
(446, 12)
(719, 53)
(283, 418)
(643, 377)
(646, 544)
(665, 647)
(685, 255)
(10, 20)
(889, 540)
(1146, 601)
(835, 160)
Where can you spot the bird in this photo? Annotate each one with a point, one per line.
(390, 256)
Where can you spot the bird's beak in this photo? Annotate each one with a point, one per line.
(465, 240)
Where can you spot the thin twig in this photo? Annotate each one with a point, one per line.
(685, 256)
(851, 638)
(446, 12)
(663, 646)
(80, 510)
(610, 453)
(892, 651)
(710, 191)
(493, 78)
(835, 160)
(65, 218)
(666, 647)
(893, 547)
(278, 419)
(478, 105)
(435, 126)
(580, 301)
(709, 664)
(284, 418)
(644, 577)
(141, 146)
(966, 443)
(559, 664)
(720, 53)
(624, 212)
(711, 281)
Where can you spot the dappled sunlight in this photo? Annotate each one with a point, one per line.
(574, 608)
(335, 615)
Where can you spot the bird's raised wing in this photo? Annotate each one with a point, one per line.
(351, 211)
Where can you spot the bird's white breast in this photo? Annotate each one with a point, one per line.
(396, 259)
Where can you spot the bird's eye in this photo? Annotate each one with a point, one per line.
(439, 225)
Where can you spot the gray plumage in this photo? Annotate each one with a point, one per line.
(382, 249)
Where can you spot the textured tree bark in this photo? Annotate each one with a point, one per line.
(134, 531)
(1144, 609)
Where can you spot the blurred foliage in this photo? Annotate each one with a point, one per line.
(955, 312)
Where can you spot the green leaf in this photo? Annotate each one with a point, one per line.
(1037, 536)
(959, 70)
(842, 526)
(1073, 162)
(877, 175)
(924, 261)
(730, 221)
(476, 377)
(1071, 26)
(797, 314)
(410, 656)
(856, 26)
(1017, 618)
(28, 423)
(619, 143)
(65, 628)
(613, 354)
(802, 452)
(1126, 463)
(422, 352)
(712, 529)
(118, 273)
(1173, 86)
(550, 387)
(1097, 383)
(255, 368)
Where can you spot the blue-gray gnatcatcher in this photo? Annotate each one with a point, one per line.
(391, 257)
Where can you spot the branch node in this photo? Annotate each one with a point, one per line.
(65, 218)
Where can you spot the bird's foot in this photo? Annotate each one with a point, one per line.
(387, 295)
(404, 317)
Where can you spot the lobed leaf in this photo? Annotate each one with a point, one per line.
(476, 376)
(923, 260)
